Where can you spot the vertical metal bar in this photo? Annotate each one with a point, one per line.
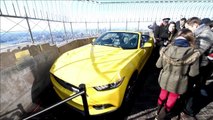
(56, 8)
(63, 8)
(194, 11)
(47, 10)
(50, 10)
(51, 16)
(36, 9)
(122, 13)
(42, 9)
(155, 9)
(41, 14)
(14, 9)
(28, 24)
(6, 7)
(59, 10)
(82, 87)
(0, 12)
(139, 24)
(71, 30)
(50, 29)
(173, 15)
(126, 24)
(98, 27)
(34, 12)
(188, 10)
(18, 7)
(25, 11)
(211, 12)
(65, 31)
(86, 27)
(28, 8)
(110, 25)
(198, 13)
(170, 9)
(203, 11)
(157, 12)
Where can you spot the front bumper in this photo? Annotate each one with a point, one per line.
(99, 102)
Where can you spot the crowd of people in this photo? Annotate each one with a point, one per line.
(184, 52)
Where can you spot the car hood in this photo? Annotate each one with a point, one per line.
(91, 64)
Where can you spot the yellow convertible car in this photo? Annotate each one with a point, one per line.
(108, 67)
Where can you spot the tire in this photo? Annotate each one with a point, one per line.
(129, 94)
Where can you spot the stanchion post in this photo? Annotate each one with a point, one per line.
(84, 99)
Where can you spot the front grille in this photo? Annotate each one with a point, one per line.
(66, 85)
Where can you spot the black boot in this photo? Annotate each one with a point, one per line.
(184, 116)
(162, 114)
(159, 107)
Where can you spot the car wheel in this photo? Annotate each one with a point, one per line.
(129, 94)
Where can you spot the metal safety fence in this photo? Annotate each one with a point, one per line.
(58, 22)
(82, 93)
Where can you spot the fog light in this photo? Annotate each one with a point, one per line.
(101, 107)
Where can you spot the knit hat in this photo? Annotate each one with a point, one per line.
(205, 21)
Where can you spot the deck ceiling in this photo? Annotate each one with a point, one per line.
(144, 1)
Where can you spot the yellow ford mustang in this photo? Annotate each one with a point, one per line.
(108, 67)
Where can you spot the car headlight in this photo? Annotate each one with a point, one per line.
(109, 86)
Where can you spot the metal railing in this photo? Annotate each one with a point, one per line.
(82, 93)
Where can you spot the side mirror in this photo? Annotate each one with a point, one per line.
(145, 38)
(93, 40)
(147, 44)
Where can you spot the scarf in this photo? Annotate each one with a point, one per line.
(181, 42)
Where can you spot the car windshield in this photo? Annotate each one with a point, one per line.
(123, 40)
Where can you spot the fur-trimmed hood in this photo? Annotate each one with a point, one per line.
(179, 55)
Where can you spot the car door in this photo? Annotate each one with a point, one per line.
(144, 51)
